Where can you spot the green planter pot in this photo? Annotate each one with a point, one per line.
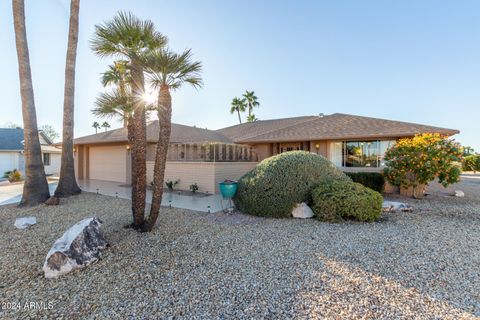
(228, 189)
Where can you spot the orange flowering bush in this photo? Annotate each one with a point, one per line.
(417, 161)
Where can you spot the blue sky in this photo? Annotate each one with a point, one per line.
(416, 61)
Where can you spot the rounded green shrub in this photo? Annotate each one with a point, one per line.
(277, 183)
(337, 200)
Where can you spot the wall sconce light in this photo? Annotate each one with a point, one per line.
(127, 147)
(74, 149)
(317, 146)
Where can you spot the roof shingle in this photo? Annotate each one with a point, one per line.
(11, 139)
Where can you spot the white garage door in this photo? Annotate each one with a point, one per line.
(108, 163)
(8, 162)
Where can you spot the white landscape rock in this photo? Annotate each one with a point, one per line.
(25, 222)
(392, 206)
(302, 211)
(78, 247)
(459, 193)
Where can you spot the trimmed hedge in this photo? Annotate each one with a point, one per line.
(337, 200)
(372, 180)
(277, 183)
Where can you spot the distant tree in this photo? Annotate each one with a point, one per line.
(35, 188)
(471, 163)
(252, 101)
(50, 132)
(96, 126)
(12, 125)
(468, 151)
(238, 105)
(106, 125)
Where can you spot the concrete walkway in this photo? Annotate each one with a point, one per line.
(12, 193)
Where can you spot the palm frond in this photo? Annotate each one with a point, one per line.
(113, 105)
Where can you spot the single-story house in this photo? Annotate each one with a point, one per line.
(12, 152)
(207, 157)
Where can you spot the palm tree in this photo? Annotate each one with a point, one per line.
(167, 71)
(96, 125)
(238, 105)
(106, 125)
(67, 184)
(118, 75)
(252, 118)
(128, 38)
(252, 101)
(35, 188)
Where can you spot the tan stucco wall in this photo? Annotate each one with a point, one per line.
(263, 151)
(206, 174)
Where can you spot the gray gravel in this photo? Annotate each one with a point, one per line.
(424, 264)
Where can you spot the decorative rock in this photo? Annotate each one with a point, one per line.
(25, 222)
(459, 193)
(302, 211)
(78, 247)
(392, 206)
(52, 201)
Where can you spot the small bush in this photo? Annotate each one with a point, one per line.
(372, 180)
(194, 187)
(13, 175)
(277, 183)
(171, 184)
(337, 200)
(471, 163)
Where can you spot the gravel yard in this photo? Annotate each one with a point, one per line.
(424, 264)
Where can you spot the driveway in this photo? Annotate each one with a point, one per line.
(12, 193)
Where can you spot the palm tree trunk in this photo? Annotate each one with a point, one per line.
(35, 189)
(239, 118)
(138, 148)
(67, 185)
(165, 124)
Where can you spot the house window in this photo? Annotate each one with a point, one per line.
(368, 154)
(46, 159)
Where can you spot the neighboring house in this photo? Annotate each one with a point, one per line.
(207, 157)
(12, 152)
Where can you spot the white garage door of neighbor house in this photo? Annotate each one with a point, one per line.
(8, 162)
(108, 163)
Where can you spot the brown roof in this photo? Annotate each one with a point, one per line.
(180, 134)
(335, 126)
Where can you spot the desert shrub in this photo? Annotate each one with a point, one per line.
(337, 200)
(277, 183)
(171, 184)
(471, 163)
(416, 161)
(13, 175)
(372, 180)
(194, 187)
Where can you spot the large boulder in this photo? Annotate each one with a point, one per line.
(78, 247)
(278, 183)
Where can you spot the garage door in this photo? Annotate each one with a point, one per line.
(8, 162)
(108, 163)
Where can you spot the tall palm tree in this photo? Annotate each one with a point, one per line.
(238, 105)
(106, 125)
(167, 71)
(127, 37)
(252, 101)
(35, 188)
(96, 126)
(67, 184)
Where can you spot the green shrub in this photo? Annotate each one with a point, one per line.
(277, 183)
(471, 163)
(194, 187)
(337, 200)
(13, 175)
(171, 184)
(372, 180)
